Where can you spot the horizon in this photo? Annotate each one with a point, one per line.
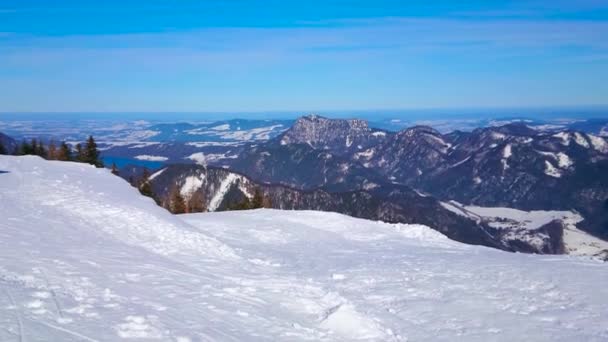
(542, 112)
(151, 56)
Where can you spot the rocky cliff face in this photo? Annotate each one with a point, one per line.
(335, 135)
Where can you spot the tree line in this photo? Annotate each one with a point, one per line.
(87, 153)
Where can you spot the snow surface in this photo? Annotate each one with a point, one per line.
(506, 154)
(563, 160)
(156, 174)
(564, 137)
(224, 132)
(580, 139)
(204, 158)
(191, 185)
(84, 257)
(151, 158)
(598, 143)
(198, 157)
(551, 170)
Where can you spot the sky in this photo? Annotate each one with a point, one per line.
(236, 55)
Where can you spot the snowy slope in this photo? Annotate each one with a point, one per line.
(83, 257)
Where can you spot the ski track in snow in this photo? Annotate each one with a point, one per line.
(84, 257)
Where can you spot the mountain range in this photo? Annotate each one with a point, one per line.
(510, 166)
(411, 176)
(456, 182)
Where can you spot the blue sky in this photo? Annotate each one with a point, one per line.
(300, 56)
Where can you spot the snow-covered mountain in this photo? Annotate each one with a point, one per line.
(84, 257)
(512, 165)
(335, 135)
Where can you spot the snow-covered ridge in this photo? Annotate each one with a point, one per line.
(84, 257)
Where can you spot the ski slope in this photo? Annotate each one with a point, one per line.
(83, 257)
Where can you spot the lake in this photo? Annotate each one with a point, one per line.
(122, 162)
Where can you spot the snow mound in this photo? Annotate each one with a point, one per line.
(75, 192)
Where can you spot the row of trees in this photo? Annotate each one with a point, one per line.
(84, 154)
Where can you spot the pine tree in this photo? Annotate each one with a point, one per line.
(2, 148)
(34, 147)
(115, 169)
(258, 199)
(24, 149)
(40, 150)
(91, 153)
(144, 184)
(52, 153)
(243, 204)
(80, 154)
(64, 152)
(267, 203)
(196, 203)
(177, 204)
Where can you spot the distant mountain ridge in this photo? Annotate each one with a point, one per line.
(511, 165)
(217, 188)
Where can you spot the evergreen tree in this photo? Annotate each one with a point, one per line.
(40, 150)
(52, 153)
(2, 148)
(34, 147)
(267, 202)
(64, 152)
(24, 149)
(258, 199)
(92, 154)
(177, 203)
(196, 203)
(243, 204)
(80, 154)
(115, 169)
(144, 184)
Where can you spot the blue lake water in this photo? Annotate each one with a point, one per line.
(121, 162)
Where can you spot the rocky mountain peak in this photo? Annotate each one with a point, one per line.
(318, 131)
(516, 128)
